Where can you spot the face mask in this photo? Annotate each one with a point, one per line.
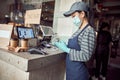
(77, 22)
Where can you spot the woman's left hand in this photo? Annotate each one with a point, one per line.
(61, 45)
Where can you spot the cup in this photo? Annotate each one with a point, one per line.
(24, 43)
(13, 42)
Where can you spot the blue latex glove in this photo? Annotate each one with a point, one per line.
(61, 45)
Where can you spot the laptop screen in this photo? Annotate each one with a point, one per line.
(25, 32)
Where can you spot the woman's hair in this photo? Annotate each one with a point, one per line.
(86, 13)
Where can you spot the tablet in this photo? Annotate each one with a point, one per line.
(25, 32)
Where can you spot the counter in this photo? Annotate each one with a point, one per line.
(26, 66)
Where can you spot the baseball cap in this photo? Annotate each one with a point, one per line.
(77, 6)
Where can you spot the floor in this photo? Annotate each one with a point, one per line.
(113, 67)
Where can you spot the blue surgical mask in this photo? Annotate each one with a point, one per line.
(77, 22)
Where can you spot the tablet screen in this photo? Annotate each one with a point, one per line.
(25, 32)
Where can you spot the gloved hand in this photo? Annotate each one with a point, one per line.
(61, 45)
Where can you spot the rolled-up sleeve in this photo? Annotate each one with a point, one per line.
(87, 44)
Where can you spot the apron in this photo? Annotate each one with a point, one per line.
(75, 70)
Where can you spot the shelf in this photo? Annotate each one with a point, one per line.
(47, 13)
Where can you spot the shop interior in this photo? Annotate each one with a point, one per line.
(48, 25)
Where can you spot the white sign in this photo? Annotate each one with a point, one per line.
(4, 34)
(33, 16)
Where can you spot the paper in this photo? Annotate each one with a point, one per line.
(33, 16)
(4, 34)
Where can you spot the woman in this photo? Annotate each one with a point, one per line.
(80, 46)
